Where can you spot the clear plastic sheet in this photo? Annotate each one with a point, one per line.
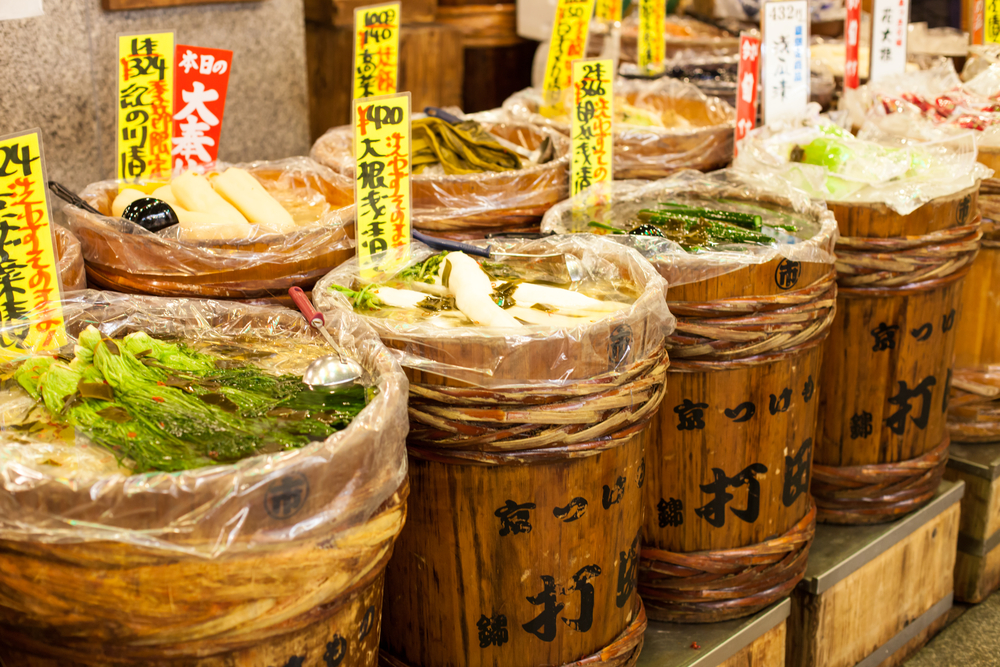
(703, 140)
(489, 201)
(220, 510)
(627, 198)
(70, 260)
(683, 33)
(902, 174)
(980, 57)
(122, 255)
(535, 355)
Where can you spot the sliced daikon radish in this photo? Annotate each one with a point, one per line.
(166, 193)
(196, 226)
(124, 198)
(472, 289)
(528, 295)
(246, 193)
(534, 316)
(195, 193)
(400, 298)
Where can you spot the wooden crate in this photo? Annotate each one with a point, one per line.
(341, 12)
(977, 566)
(430, 68)
(874, 594)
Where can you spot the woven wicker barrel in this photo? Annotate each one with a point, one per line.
(887, 366)
(120, 259)
(522, 538)
(275, 560)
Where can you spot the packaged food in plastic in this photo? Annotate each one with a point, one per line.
(826, 161)
(473, 205)
(260, 254)
(980, 57)
(789, 225)
(103, 566)
(683, 33)
(70, 255)
(661, 126)
(511, 350)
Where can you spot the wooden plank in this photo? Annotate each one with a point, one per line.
(125, 5)
(853, 618)
(767, 650)
(915, 644)
(976, 576)
(980, 505)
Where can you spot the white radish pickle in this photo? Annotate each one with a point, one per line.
(195, 193)
(246, 193)
(528, 294)
(472, 289)
(124, 198)
(195, 226)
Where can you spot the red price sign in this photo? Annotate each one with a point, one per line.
(200, 83)
(852, 28)
(748, 76)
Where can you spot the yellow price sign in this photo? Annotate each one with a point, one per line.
(30, 290)
(568, 43)
(986, 22)
(593, 109)
(652, 39)
(609, 11)
(382, 187)
(376, 50)
(145, 106)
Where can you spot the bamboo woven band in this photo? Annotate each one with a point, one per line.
(489, 426)
(878, 492)
(974, 405)
(622, 652)
(906, 261)
(708, 586)
(989, 207)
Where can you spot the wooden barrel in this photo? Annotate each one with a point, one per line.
(470, 206)
(683, 36)
(887, 366)
(275, 560)
(118, 260)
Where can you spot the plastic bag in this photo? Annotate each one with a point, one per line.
(626, 198)
(836, 166)
(70, 257)
(697, 134)
(532, 355)
(469, 206)
(122, 255)
(265, 502)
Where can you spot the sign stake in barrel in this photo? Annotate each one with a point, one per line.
(747, 76)
(568, 43)
(145, 106)
(888, 43)
(199, 102)
(785, 75)
(593, 109)
(852, 32)
(376, 50)
(652, 35)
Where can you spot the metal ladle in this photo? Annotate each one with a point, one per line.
(332, 370)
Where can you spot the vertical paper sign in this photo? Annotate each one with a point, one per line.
(145, 106)
(609, 11)
(568, 43)
(785, 74)
(986, 22)
(888, 50)
(748, 76)
(376, 50)
(652, 37)
(591, 124)
(199, 101)
(29, 279)
(382, 180)
(852, 31)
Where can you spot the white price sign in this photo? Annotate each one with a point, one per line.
(888, 52)
(785, 70)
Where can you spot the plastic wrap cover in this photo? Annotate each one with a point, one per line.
(489, 195)
(237, 267)
(678, 266)
(497, 357)
(70, 260)
(903, 181)
(651, 152)
(215, 510)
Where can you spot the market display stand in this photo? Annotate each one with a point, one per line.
(977, 566)
(872, 594)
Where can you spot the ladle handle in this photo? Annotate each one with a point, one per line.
(301, 301)
(453, 246)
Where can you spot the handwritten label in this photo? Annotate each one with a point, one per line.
(785, 74)
(145, 106)
(852, 28)
(199, 102)
(748, 76)
(609, 11)
(986, 22)
(652, 37)
(888, 52)
(382, 181)
(30, 290)
(568, 43)
(376, 50)
(591, 124)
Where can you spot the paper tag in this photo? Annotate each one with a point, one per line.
(652, 37)
(985, 22)
(785, 74)
(199, 102)
(609, 11)
(145, 106)
(748, 76)
(376, 50)
(30, 289)
(852, 30)
(382, 181)
(593, 109)
(888, 51)
(568, 43)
